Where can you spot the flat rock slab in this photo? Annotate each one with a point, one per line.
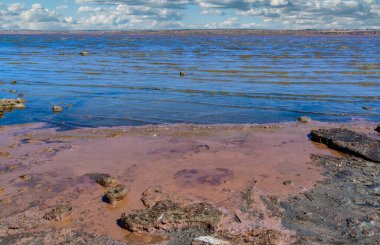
(348, 141)
(59, 213)
(169, 216)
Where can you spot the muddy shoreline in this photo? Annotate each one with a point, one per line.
(185, 184)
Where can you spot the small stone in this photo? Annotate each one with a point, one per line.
(182, 74)
(288, 182)
(57, 108)
(116, 193)
(84, 53)
(13, 82)
(59, 213)
(25, 177)
(304, 119)
(369, 108)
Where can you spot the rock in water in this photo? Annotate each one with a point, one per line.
(304, 119)
(57, 108)
(84, 53)
(59, 213)
(348, 141)
(116, 193)
(182, 74)
(104, 180)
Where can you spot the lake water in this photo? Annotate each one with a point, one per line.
(134, 80)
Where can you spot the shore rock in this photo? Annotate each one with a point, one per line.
(59, 213)
(116, 193)
(348, 141)
(170, 216)
(377, 128)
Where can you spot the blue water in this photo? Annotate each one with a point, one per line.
(134, 80)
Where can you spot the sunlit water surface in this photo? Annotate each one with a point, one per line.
(134, 80)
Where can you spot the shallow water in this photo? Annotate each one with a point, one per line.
(134, 80)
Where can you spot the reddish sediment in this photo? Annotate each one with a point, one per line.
(209, 163)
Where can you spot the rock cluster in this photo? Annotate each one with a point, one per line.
(7, 105)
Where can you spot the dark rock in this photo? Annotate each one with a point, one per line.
(348, 141)
(369, 108)
(182, 74)
(84, 53)
(57, 108)
(13, 82)
(170, 216)
(116, 193)
(59, 213)
(377, 129)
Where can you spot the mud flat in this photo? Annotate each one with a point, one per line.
(190, 184)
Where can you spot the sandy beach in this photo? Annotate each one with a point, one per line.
(247, 172)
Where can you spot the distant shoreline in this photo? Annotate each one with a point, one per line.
(370, 32)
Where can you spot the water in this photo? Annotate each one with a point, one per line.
(134, 80)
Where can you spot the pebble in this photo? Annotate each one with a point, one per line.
(288, 182)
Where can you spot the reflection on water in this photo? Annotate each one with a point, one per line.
(134, 80)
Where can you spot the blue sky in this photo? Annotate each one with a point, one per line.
(195, 14)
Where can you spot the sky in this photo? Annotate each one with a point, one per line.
(188, 14)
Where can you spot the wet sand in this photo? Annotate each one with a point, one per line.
(209, 163)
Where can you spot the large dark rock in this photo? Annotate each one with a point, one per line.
(377, 128)
(348, 141)
(170, 216)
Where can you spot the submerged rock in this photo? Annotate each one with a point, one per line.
(116, 193)
(369, 108)
(348, 141)
(59, 213)
(304, 119)
(104, 180)
(57, 108)
(13, 82)
(170, 216)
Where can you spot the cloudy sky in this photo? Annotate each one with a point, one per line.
(179, 14)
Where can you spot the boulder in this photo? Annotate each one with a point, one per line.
(349, 141)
